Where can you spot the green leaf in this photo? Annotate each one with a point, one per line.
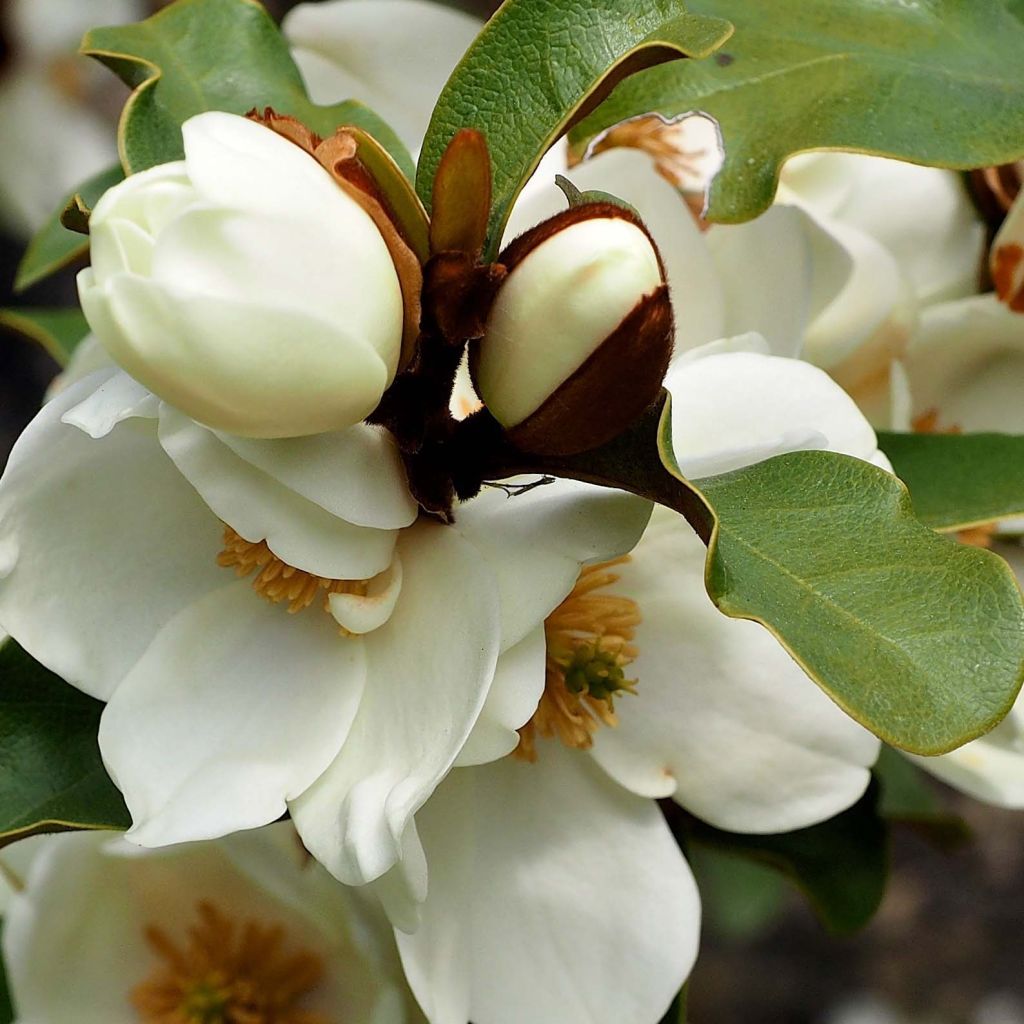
(58, 330)
(51, 775)
(933, 81)
(53, 247)
(841, 865)
(536, 65)
(739, 898)
(198, 55)
(959, 480)
(919, 639)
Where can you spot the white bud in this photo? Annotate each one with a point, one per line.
(243, 286)
(579, 336)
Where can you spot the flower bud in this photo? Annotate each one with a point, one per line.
(244, 286)
(579, 336)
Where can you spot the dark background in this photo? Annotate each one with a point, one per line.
(946, 947)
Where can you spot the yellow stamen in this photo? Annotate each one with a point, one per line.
(223, 974)
(589, 643)
(674, 157)
(278, 581)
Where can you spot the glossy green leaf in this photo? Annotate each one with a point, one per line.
(930, 81)
(51, 775)
(959, 480)
(58, 330)
(198, 55)
(53, 247)
(739, 898)
(537, 64)
(916, 637)
(841, 865)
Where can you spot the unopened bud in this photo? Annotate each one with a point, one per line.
(580, 334)
(244, 286)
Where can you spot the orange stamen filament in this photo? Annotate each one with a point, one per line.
(589, 644)
(225, 974)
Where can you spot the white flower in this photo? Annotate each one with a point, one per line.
(923, 216)
(93, 936)
(556, 892)
(223, 710)
(393, 55)
(244, 286)
(47, 84)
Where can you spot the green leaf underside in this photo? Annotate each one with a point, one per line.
(59, 331)
(959, 480)
(534, 66)
(841, 865)
(933, 81)
(199, 55)
(53, 246)
(51, 775)
(918, 638)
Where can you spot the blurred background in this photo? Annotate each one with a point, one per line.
(946, 946)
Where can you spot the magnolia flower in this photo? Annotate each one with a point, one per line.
(394, 55)
(244, 286)
(555, 890)
(244, 929)
(224, 711)
(56, 133)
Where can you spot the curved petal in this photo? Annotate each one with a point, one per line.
(554, 896)
(234, 709)
(118, 398)
(101, 544)
(428, 673)
(512, 700)
(392, 55)
(258, 507)
(355, 474)
(922, 215)
(723, 720)
(733, 408)
(628, 174)
(967, 365)
(777, 273)
(535, 542)
(339, 376)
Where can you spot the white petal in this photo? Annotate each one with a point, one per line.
(967, 364)
(355, 474)
(723, 719)
(117, 399)
(513, 698)
(777, 272)
(692, 275)
(922, 215)
(729, 409)
(536, 542)
(259, 507)
(364, 613)
(325, 376)
(236, 708)
(101, 544)
(392, 55)
(428, 673)
(554, 896)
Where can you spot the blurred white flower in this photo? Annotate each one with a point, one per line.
(244, 929)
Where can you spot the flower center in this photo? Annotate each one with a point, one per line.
(224, 974)
(589, 644)
(278, 581)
